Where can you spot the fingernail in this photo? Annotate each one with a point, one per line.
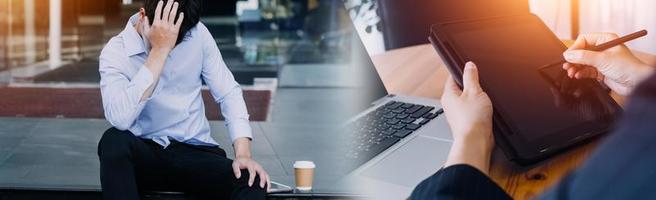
(470, 65)
(571, 55)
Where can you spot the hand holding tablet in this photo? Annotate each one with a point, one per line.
(532, 120)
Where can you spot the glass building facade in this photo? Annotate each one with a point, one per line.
(257, 38)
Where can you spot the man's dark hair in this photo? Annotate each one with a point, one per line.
(191, 9)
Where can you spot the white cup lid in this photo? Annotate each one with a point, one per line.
(304, 164)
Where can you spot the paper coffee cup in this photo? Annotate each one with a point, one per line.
(304, 173)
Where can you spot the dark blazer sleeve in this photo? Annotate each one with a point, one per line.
(624, 165)
(458, 182)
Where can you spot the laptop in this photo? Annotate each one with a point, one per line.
(389, 164)
(394, 141)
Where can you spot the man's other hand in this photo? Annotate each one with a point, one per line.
(253, 169)
(243, 160)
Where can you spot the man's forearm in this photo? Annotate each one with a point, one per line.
(155, 63)
(242, 148)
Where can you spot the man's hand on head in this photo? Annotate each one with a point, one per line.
(163, 32)
(162, 36)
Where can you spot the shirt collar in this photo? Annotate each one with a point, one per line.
(133, 42)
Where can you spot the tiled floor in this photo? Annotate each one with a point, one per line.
(61, 153)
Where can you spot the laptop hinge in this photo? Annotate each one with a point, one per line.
(382, 99)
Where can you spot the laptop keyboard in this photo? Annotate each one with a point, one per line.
(380, 129)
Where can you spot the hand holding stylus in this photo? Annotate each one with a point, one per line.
(617, 67)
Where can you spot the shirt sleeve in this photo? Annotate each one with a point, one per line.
(121, 94)
(224, 89)
(458, 182)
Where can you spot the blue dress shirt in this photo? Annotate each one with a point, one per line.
(175, 110)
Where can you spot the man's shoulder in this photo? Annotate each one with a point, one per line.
(201, 26)
(114, 46)
(200, 31)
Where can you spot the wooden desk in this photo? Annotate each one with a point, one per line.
(419, 71)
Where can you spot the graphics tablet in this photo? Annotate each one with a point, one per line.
(538, 109)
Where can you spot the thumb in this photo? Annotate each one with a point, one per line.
(470, 79)
(584, 57)
(236, 170)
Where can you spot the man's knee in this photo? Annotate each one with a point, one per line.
(243, 191)
(115, 144)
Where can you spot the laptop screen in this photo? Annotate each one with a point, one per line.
(369, 86)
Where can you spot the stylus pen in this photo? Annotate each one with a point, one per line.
(609, 44)
(618, 41)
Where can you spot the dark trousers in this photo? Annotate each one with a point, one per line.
(129, 165)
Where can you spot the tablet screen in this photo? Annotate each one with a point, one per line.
(534, 100)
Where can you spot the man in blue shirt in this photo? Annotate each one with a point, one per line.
(151, 80)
